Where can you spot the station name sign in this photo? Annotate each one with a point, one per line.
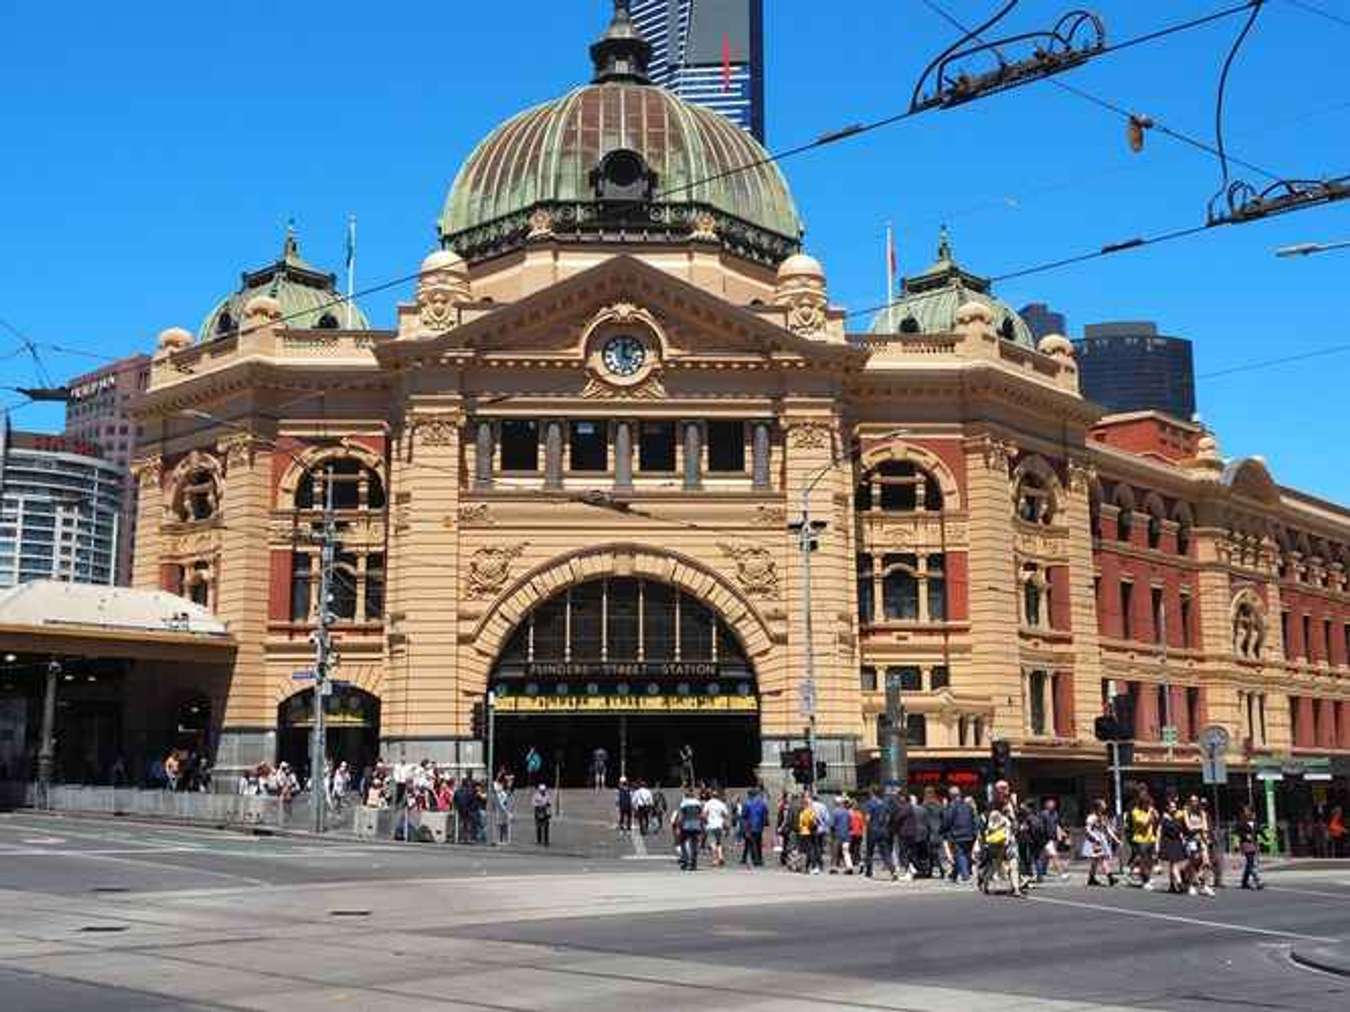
(624, 669)
(627, 704)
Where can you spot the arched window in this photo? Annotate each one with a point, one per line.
(1124, 503)
(355, 486)
(1155, 522)
(199, 583)
(1182, 516)
(898, 486)
(1033, 596)
(1249, 629)
(910, 587)
(327, 322)
(1035, 504)
(197, 496)
(224, 323)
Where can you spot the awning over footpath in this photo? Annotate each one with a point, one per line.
(90, 620)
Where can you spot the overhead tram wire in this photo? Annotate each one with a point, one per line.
(857, 129)
(1303, 5)
(1113, 107)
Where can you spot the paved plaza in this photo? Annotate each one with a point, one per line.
(114, 915)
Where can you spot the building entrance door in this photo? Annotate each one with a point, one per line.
(352, 723)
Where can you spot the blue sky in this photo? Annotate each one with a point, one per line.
(154, 150)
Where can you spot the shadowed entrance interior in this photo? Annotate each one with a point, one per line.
(635, 667)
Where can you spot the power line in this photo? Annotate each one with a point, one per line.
(1334, 349)
(1319, 12)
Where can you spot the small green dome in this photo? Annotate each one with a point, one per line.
(620, 159)
(309, 298)
(929, 302)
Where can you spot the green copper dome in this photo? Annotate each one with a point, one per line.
(929, 301)
(309, 298)
(620, 159)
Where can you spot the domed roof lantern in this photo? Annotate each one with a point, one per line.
(621, 54)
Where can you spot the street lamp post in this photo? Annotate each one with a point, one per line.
(808, 532)
(47, 750)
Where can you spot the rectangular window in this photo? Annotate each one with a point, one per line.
(1295, 731)
(1186, 620)
(1326, 640)
(866, 591)
(1307, 638)
(1036, 708)
(909, 677)
(936, 583)
(977, 732)
(301, 573)
(696, 630)
(1261, 715)
(726, 447)
(550, 629)
(1193, 711)
(1048, 596)
(658, 622)
(343, 587)
(520, 444)
(589, 446)
(587, 620)
(1346, 631)
(1155, 604)
(867, 678)
(939, 677)
(1126, 609)
(656, 446)
(1031, 603)
(374, 586)
(622, 614)
(916, 729)
(900, 587)
(1286, 630)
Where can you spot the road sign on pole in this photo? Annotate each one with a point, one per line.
(1214, 769)
(808, 697)
(1169, 735)
(1214, 738)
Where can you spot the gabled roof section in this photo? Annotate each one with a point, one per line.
(691, 312)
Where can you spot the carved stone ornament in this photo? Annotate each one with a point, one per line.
(442, 284)
(998, 454)
(149, 471)
(541, 224)
(809, 436)
(490, 568)
(705, 227)
(756, 571)
(238, 449)
(475, 514)
(1081, 475)
(436, 430)
(805, 299)
(770, 516)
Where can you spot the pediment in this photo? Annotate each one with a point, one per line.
(556, 324)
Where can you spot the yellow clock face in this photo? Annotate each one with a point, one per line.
(623, 355)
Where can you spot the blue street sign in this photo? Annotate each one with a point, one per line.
(306, 675)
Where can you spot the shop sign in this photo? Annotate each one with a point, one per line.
(622, 669)
(965, 779)
(627, 704)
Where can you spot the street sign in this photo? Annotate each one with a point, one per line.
(808, 697)
(1214, 738)
(325, 688)
(303, 675)
(1169, 734)
(1214, 769)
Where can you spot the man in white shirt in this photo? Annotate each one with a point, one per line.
(642, 806)
(715, 817)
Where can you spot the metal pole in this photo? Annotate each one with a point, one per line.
(1120, 804)
(491, 769)
(322, 648)
(896, 766)
(809, 682)
(47, 751)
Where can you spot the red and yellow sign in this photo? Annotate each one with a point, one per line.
(627, 704)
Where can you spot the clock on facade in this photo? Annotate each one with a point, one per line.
(623, 355)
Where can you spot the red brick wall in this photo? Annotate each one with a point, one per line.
(958, 586)
(279, 586)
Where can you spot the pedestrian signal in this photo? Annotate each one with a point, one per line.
(478, 722)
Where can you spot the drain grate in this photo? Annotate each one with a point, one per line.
(349, 913)
(104, 929)
(110, 889)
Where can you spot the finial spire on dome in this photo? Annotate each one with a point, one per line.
(944, 251)
(290, 248)
(621, 54)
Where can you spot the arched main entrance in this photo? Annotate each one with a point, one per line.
(636, 667)
(351, 720)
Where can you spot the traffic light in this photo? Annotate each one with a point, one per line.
(801, 765)
(810, 538)
(821, 770)
(1106, 728)
(1000, 758)
(478, 722)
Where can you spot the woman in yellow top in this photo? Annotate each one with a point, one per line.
(1143, 832)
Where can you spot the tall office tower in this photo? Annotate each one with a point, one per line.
(709, 52)
(1043, 320)
(1129, 366)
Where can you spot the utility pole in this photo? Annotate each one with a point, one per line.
(323, 646)
(47, 751)
(896, 766)
(490, 712)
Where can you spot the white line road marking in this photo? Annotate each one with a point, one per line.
(32, 852)
(1183, 920)
(1342, 896)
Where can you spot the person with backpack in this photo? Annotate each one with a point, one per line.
(1249, 843)
(754, 818)
(687, 823)
(879, 839)
(841, 821)
(960, 830)
(933, 810)
(806, 833)
(904, 832)
(623, 801)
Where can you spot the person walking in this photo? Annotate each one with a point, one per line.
(959, 830)
(1172, 848)
(1000, 842)
(642, 807)
(904, 831)
(1249, 843)
(1195, 822)
(623, 801)
(687, 824)
(933, 810)
(715, 819)
(1143, 835)
(841, 823)
(879, 840)
(754, 818)
(599, 768)
(543, 814)
(1099, 845)
(1054, 834)
(857, 829)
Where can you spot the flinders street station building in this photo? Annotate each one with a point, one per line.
(565, 473)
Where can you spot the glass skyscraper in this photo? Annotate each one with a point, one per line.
(710, 52)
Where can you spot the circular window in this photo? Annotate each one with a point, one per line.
(623, 168)
(682, 688)
(560, 688)
(592, 689)
(622, 688)
(653, 689)
(532, 689)
(713, 689)
(743, 689)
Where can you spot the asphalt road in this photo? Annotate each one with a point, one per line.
(109, 915)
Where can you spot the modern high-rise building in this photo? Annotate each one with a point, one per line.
(1129, 366)
(99, 412)
(709, 52)
(60, 510)
(1043, 320)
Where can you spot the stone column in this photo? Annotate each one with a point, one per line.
(1146, 723)
(482, 455)
(693, 455)
(623, 455)
(553, 454)
(759, 451)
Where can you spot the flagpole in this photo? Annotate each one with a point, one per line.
(351, 265)
(890, 267)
